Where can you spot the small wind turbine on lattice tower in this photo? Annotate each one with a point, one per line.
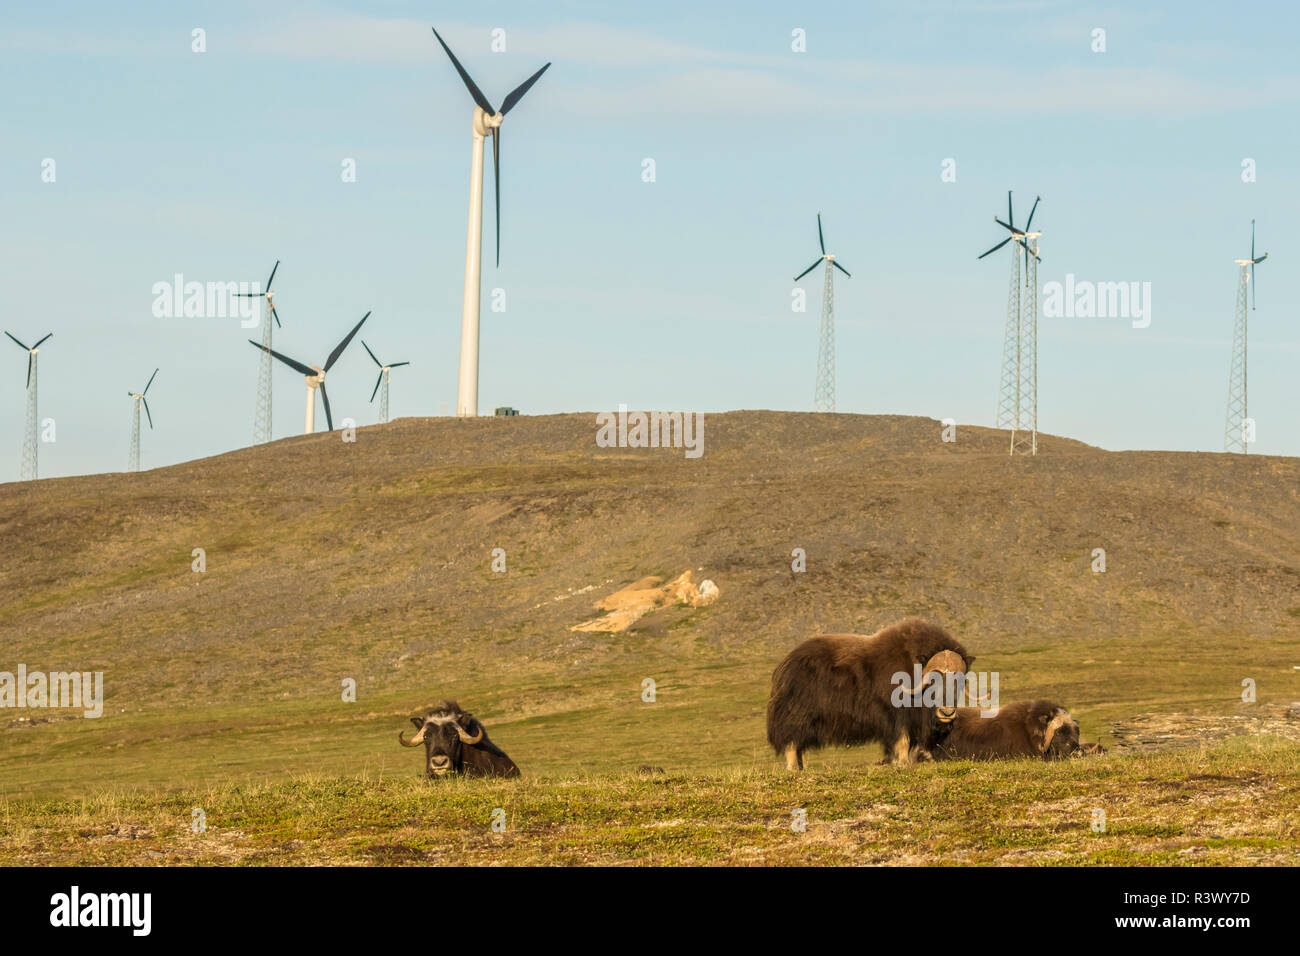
(824, 391)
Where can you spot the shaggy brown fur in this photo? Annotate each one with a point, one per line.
(836, 689)
(1016, 730)
(446, 753)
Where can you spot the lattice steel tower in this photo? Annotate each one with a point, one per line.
(1018, 382)
(824, 393)
(1008, 400)
(1024, 430)
(27, 470)
(1237, 429)
(133, 453)
(824, 397)
(262, 414)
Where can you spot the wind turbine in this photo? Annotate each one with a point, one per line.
(133, 456)
(824, 394)
(262, 414)
(486, 122)
(1235, 436)
(382, 380)
(1018, 393)
(315, 375)
(27, 470)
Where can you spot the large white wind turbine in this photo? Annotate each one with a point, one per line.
(486, 122)
(315, 375)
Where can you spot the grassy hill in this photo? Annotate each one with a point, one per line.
(372, 561)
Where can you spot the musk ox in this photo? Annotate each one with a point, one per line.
(456, 742)
(1027, 728)
(840, 689)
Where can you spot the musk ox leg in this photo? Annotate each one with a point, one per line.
(903, 749)
(793, 757)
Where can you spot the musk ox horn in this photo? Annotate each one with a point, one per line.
(414, 741)
(914, 691)
(1057, 723)
(466, 738)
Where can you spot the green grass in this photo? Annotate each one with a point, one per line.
(1234, 804)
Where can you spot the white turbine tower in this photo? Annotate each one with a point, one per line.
(262, 414)
(133, 455)
(486, 122)
(824, 392)
(1236, 432)
(384, 370)
(1018, 392)
(27, 470)
(315, 375)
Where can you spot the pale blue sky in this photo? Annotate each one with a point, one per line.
(674, 294)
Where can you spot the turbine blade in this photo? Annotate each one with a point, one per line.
(272, 279)
(821, 240)
(49, 334)
(150, 382)
(329, 422)
(1010, 216)
(20, 343)
(276, 315)
(474, 91)
(145, 402)
(376, 391)
(397, 364)
(1004, 225)
(371, 354)
(809, 269)
(295, 365)
(996, 248)
(496, 182)
(841, 268)
(30, 358)
(517, 94)
(338, 349)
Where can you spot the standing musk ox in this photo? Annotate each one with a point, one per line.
(1027, 728)
(456, 742)
(839, 689)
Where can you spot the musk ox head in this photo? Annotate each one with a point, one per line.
(1060, 733)
(444, 731)
(945, 666)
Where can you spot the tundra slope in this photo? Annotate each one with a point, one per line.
(380, 569)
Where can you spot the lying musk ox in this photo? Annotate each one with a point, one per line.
(455, 742)
(837, 689)
(1027, 728)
